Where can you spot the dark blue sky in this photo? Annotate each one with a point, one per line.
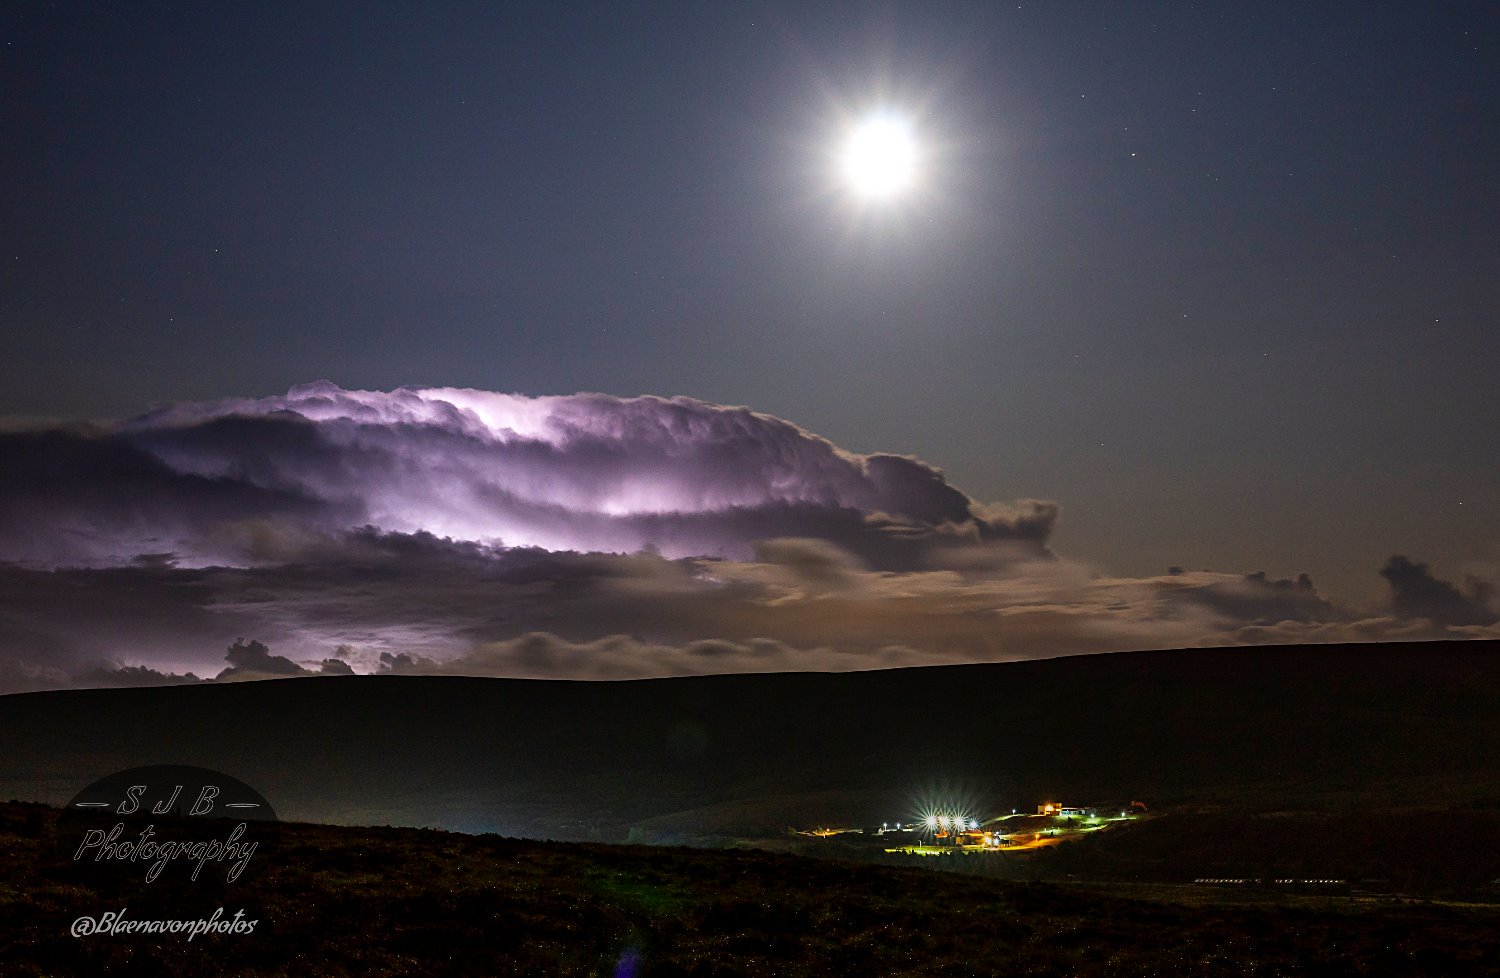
(1220, 278)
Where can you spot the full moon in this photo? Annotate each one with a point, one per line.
(880, 156)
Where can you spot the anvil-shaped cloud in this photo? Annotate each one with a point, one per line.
(464, 532)
(585, 472)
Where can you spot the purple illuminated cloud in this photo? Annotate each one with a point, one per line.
(586, 472)
(463, 532)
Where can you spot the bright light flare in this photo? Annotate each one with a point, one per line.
(880, 156)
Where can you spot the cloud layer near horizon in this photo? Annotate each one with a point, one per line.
(456, 531)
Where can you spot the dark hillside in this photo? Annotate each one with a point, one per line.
(374, 902)
(1322, 727)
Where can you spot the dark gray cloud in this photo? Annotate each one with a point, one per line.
(82, 495)
(367, 601)
(253, 660)
(338, 664)
(104, 675)
(1415, 593)
(1257, 599)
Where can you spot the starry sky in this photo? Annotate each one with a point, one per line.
(1219, 279)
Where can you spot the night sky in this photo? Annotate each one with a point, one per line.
(1221, 280)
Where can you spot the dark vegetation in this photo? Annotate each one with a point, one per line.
(349, 901)
(1444, 853)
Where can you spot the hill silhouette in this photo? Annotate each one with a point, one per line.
(1328, 728)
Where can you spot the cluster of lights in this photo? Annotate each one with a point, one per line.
(945, 822)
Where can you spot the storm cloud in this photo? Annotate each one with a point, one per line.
(464, 532)
(1415, 593)
(216, 483)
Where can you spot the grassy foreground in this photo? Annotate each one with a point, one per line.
(342, 901)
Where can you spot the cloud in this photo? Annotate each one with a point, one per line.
(1415, 593)
(90, 496)
(542, 655)
(587, 472)
(1376, 628)
(464, 532)
(110, 675)
(1259, 599)
(371, 602)
(335, 666)
(248, 660)
(253, 660)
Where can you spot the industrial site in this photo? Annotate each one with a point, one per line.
(954, 831)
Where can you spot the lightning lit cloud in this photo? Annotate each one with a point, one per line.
(586, 472)
(465, 532)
